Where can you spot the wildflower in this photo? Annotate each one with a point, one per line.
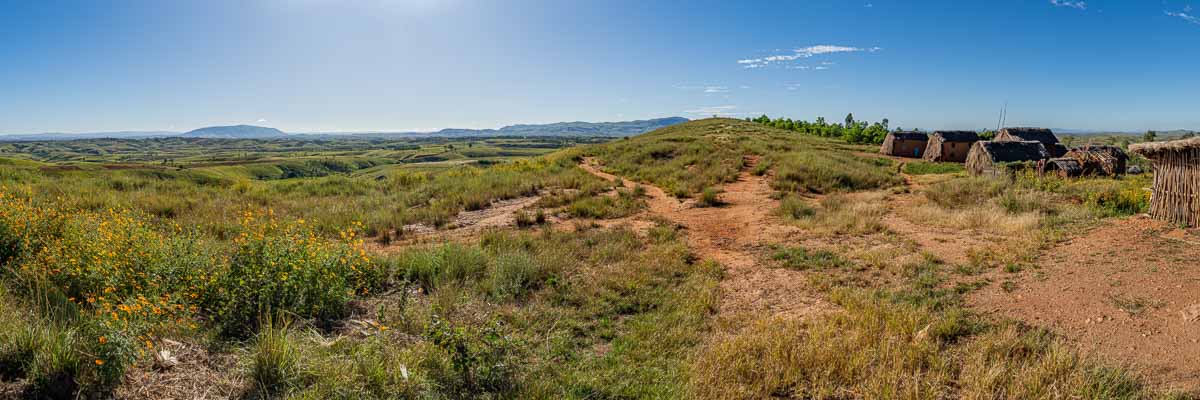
(103, 340)
(99, 362)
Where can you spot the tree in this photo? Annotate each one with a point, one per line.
(1150, 136)
(885, 124)
(849, 120)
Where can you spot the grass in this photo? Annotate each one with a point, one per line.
(839, 214)
(802, 259)
(929, 168)
(109, 247)
(688, 158)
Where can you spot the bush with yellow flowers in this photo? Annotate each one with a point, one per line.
(287, 269)
(105, 284)
(102, 282)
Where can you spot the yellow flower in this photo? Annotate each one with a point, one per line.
(103, 340)
(99, 362)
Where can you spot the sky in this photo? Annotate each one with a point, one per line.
(416, 65)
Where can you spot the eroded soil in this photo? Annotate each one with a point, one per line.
(1128, 290)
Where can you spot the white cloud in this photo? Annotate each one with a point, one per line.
(721, 111)
(821, 68)
(1185, 16)
(1081, 5)
(261, 120)
(706, 88)
(869, 5)
(805, 52)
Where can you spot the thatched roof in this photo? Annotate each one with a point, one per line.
(909, 135)
(957, 136)
(1068, 166)
(1015, 151)
(1039, 134)
(1154, 148)
(1098, 150)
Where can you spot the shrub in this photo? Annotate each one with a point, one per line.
(710, 197)
(795, 207)
(289, 269)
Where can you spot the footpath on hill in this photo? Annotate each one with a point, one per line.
(733, 234)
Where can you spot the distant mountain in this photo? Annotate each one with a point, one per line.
(89, 135)
(236, 132)
(607, 129)
(577, 129)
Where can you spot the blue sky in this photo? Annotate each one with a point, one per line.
(316, 65)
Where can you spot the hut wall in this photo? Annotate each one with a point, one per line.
(903, 148)
(1176, 196)
(909, 148)
(942, 150)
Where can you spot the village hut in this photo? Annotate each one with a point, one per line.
(1100, 159)
(1176, 194)
(1063, 167)
(904, 144)
(950, 146)
(1043, 135)
(992, 158)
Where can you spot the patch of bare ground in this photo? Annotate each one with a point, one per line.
(466, 225)
(1128, 290)
(183, 371)
(732, 235)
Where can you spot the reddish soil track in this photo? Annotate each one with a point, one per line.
(733, 235)
(1128, 291)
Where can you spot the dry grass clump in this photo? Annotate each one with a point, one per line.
(879, 348)
(839, 214)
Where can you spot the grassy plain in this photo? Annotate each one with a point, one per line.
(261, 255)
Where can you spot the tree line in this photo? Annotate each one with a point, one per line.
(850, 130)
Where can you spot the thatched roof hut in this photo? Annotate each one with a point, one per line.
(1100, 159)
(1063, 167)
(990, 158)
(950, 146)
(1043, 135)
(904, 144)
(1176, 196)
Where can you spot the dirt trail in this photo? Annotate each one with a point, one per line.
(1128, 290)
(731, 235)
(466, 225)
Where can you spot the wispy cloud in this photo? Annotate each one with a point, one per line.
(1081, 5)
(260, 120)
(1185, 16)
(720, 111)
(802, 53)
(707, 88)
(869, 5)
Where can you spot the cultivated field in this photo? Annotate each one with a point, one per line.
(717, 258)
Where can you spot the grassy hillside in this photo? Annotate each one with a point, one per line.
(282, 273)
(687, 158)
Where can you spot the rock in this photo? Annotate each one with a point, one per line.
(1133, 170)
(163, 359)
(1191, 313)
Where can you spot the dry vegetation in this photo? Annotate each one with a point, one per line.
(102, 269)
